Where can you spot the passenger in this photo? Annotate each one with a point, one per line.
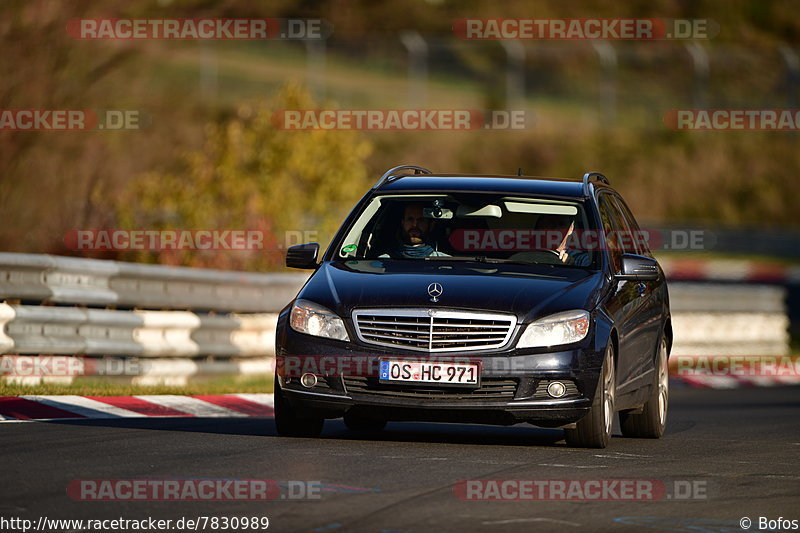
(565, 226)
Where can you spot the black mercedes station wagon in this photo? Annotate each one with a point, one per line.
(479, 299)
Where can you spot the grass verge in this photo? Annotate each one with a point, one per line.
(100, 387)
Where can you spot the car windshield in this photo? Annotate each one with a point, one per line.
(469, 227)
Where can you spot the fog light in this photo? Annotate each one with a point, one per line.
(556, 389)
(308, 380)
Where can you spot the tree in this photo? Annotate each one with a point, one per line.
(253, 176)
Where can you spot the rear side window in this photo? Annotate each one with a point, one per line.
(614, 227)
(639, 236)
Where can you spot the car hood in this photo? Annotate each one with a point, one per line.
(528, 291)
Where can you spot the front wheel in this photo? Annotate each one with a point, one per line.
(291, 422)
(594, 429)
(651, 422)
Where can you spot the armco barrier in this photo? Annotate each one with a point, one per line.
(728, 319)
(177, 323)
(93, 282)
(733, 306)
(33, 329)
(182, 323)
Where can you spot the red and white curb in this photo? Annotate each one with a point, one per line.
(24, 408)
(16, 408)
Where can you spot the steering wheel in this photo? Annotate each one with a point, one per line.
(536, 256)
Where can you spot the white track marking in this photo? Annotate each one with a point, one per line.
(84, 406)
(523, 520)
(192, 406)
(559, 465)
(263, 399)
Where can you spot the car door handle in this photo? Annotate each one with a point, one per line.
(642, 288)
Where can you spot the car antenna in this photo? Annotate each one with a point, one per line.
(519, 171)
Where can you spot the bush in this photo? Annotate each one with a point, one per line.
(253, 176)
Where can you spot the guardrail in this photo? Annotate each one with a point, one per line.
(733, 307)
(34, 329)
(93, 282)
(177, 323)
(728, 319)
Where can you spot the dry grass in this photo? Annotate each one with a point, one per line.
(110, 388)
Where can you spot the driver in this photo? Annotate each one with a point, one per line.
(564, 225)
(413, 235)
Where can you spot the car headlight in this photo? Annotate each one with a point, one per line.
(555, 330)
(314, 319)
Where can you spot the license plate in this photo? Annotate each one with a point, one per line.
(422, 372)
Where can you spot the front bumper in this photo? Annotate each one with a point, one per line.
(512, 390)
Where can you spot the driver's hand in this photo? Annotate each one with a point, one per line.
(563, 255)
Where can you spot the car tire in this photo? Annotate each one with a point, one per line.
(354, 422)
(289, 422)
(594, 429)
(651, 422)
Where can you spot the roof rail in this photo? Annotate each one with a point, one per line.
(593, 176)
(392, 174)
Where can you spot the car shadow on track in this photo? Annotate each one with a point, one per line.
(421, 432)
(429, 432)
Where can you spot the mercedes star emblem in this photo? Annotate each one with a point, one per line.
(435, 290)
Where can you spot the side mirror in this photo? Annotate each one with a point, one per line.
(302, 255)
(638, 267)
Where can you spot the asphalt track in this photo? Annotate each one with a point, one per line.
(741, 445)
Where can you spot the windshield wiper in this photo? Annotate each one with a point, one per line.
(478, 259)
(447, 258)
(496, 260)
(508, 261)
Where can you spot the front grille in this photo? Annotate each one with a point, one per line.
(492, 389)
(433, 330)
